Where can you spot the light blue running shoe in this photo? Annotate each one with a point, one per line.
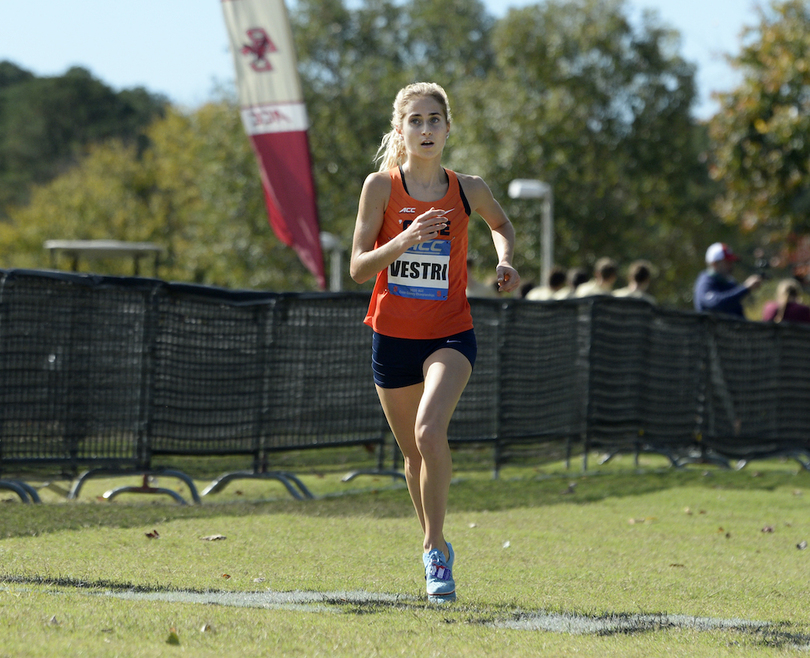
(441, 588)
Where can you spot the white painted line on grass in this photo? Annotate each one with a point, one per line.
(585, 625)
(554, 622)
(301, 601)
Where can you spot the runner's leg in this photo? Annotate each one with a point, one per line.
(400, 406)
(446, 374)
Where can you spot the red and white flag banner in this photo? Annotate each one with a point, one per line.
(275, 119)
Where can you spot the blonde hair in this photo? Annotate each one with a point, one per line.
(392, 148)
(787, 291)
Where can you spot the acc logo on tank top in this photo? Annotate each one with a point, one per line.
(421, 272)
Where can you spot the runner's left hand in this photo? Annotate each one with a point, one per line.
(508, 278)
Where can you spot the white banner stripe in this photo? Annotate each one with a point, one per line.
(274, 118)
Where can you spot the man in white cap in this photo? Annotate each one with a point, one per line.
(715, 289)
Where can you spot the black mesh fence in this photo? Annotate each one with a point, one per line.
(208, 371)
(619, 351)
(73, 358)
(319, 386)
(793, 397)
(758, 392)
(477, 415)
(672, 397)
(110, 371)
(543, 380)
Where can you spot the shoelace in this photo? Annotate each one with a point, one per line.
(438, 567)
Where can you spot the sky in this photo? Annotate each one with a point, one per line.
(179, 48)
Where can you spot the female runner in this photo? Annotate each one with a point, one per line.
(411, 233)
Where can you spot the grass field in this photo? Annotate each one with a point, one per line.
(616, 561)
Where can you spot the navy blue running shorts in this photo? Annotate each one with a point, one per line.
(398, 362)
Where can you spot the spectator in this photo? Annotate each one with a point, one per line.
(788, 306)
(716, 290)
(604, 276)
(575, 277)
(525, 289)
(638, 280)
(555, 283)
(476, 288)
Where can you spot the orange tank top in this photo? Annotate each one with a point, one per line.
(423, 293)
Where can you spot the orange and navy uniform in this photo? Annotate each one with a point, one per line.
(422, 294)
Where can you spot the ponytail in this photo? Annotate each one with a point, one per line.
(392, 150)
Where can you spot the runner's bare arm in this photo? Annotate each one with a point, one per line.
(503, 233)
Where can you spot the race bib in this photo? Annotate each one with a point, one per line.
(422, 271)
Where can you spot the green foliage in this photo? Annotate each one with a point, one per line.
(207, 204)
(600, 110)
(99, 199)
(11, 74)
(568, 92)
(195, 190)
(46, 122)
(761, 145)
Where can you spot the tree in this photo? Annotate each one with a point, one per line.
(195, 191)
(45, 123)
(570, 92)
(600, 110)
(761, 152)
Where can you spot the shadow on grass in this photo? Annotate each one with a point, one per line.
(472, 491)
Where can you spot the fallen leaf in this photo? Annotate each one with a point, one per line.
(153, 535)
(768, 528)
(801, 545)
(703, 511)
(213, 537)
(677, 565)
(226, 575)
(173, 637)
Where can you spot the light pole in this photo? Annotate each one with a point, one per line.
(331, 243)
(523, 188)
